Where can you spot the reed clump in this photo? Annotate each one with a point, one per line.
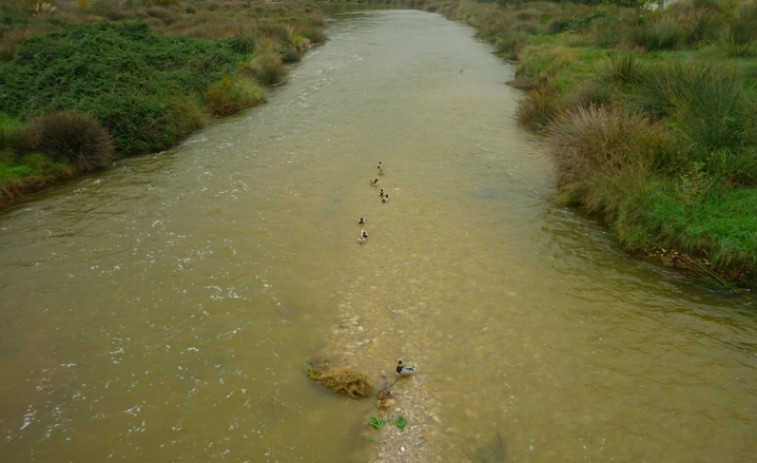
(338, 379)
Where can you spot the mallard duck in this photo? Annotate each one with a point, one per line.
(385, 198)
(384, 394)
(404, 370)
(380, 166)
(381, 193)
(381, 171)
(374, 182)
(363, 236)
(361, 221)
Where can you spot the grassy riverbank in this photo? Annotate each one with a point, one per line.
(651, 116)
(84, 82)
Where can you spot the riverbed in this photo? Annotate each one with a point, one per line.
(166, 309)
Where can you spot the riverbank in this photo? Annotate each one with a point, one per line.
(134, 80)
(651, 119)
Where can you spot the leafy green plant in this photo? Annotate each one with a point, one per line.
(400, 422)
(378, 422)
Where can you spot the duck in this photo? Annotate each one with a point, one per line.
(361, 221)
(404, 370)
(384, 394)
(385, 198)
(363, 237)
(381, 193)
(374, 182)
(380, 166)
(381, 171)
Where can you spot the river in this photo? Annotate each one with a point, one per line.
(166, 309)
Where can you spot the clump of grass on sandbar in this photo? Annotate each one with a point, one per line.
(340, 380)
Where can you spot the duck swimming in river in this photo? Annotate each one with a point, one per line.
(374, 182)
(363, 237)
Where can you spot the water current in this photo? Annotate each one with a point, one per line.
(165, 309)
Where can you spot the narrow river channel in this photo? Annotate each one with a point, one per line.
(165, 310)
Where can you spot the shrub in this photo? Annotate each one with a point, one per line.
(657, 35)
(9, 132)
(707, 102)
(599, 140)
(229, 96)
(698, 22)
(738, 39)
(623, 69)
(267, 68)
(590, 93)
(74, 136)
(540, 104)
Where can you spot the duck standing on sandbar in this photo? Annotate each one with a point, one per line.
(404, 370)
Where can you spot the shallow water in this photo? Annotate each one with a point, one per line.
(166, 309)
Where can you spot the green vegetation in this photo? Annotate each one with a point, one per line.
(379, 423)
(86, 82)
(651, 116)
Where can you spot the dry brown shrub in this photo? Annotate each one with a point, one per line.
(601, 140)
(340, 380)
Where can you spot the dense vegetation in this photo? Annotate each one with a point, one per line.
(83, 83)
(651, 114)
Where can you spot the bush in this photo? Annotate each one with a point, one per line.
(599, 140)
(9, 132)
(623, 69)
(706, 101)
(540, 105)
(268, 69)
(229, 96)
(74, 136)
(657, 35)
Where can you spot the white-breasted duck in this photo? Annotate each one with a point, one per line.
(363, 236)
(404, 370)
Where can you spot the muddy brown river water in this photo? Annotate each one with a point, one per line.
(164, 310)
